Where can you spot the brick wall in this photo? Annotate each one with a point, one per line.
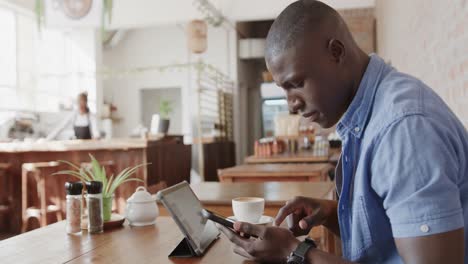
(428, 39)
(361, 23)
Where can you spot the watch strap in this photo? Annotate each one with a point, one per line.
(302, 249)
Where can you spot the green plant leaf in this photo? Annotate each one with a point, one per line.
(109, 183)
(72, 173)
(125, 175)
(104, 177)
(89, 173)
(165, 108)
(70, 164)
(96, 172)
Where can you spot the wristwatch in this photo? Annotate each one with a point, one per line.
(298, 256)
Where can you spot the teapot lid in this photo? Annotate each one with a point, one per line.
(140, 196)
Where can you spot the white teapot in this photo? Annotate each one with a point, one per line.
(141, 208)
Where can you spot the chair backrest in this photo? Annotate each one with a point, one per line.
(41, 186)
(155, 188)
(5, 183)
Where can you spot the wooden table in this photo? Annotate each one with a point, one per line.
(299, 157)
(280, 172)
(140, 245)
(217, 197)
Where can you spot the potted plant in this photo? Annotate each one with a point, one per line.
(96, 172)
(165, 110)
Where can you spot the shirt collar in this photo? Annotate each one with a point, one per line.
(355, 118)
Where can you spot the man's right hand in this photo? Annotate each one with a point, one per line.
(305, 213)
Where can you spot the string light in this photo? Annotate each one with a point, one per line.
(212, 15)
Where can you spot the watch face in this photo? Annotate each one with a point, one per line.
(76, 9)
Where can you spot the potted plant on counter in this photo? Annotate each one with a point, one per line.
(165, 110)
(96, 172)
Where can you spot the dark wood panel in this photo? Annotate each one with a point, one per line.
(170, 163)
(218, 155)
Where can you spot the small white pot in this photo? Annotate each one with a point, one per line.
(141, 208)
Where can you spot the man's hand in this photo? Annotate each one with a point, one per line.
(305, 213)
(273, 245)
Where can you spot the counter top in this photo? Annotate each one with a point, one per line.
(73, 145)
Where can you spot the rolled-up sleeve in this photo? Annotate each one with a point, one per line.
(415, 171)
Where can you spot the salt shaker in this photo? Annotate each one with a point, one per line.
(73, 223)
(94, 202)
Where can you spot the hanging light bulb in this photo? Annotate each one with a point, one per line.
(196, 36)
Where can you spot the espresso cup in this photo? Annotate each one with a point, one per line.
(248, 209)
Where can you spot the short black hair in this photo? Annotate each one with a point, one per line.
(298, 19)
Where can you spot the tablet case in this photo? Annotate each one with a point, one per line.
(183, 250)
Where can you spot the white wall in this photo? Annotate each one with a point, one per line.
(428, 39)
(158, 46)
(140, 13)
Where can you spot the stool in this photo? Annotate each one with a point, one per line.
(39, 172)
(6, 199)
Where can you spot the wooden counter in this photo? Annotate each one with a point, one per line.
(150, 244)
(123, 152)
(74, 145)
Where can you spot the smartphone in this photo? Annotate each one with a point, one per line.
(218, 219)
(222, 221)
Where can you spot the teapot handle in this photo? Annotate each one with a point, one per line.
(141, 188)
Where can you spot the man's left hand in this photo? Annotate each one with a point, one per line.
(273, 245)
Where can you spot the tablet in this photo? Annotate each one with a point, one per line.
(186, 210)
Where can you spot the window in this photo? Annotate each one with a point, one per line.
(8, 48)
(8, 92)
(45, 71)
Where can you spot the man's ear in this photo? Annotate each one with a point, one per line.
(337, 50)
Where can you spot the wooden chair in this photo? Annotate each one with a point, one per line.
(155, 188)
(6, 199)
(35, 175)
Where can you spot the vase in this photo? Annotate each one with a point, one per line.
(107, 207)
(164, 126)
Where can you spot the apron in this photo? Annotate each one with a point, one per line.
(83, 132)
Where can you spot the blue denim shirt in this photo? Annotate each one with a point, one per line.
(403, 170)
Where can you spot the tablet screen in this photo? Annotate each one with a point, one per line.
(185, 206)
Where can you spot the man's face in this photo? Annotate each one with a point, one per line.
(312, 82)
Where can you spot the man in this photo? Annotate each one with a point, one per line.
(402, 179)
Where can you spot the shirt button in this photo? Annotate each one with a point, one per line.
(424, 228)
(357, 129)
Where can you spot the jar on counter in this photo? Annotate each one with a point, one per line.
(94, 203)
(73, 207)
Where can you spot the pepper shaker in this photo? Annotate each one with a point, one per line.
(94, 202)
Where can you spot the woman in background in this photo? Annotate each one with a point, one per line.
(84, 123)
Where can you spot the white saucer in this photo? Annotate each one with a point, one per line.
(264, 220)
